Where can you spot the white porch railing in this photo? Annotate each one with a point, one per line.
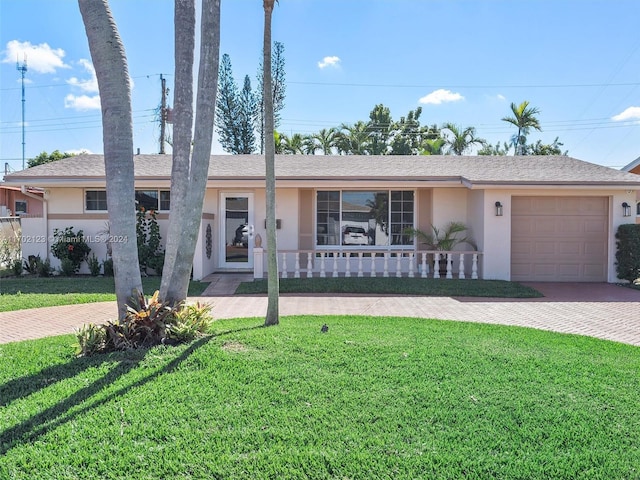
(372, 263)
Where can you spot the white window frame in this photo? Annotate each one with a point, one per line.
(340, 246)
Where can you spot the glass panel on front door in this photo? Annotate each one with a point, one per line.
(237, 230)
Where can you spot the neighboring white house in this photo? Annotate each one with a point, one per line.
(532, 218)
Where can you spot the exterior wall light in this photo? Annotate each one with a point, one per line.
(626, 209)
(498, 209)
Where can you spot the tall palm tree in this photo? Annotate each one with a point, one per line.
(110, 62)
(273, 285)
(325, 140)
(353, 139)
(189, 171)
(458, 141)
(524, 118)
(294, 145)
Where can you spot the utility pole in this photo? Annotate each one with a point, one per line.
(163, 113)
(23, 71)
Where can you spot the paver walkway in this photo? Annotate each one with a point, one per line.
(598, 310)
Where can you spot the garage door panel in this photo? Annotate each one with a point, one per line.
(596, 225)
(522, 247)
(544, 226)
(568, 270)
(596, 249)
(559, 238)
(571, 248)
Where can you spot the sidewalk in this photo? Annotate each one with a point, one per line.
(599, 310)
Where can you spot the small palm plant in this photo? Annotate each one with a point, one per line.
(443, 239)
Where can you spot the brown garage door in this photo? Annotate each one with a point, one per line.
(559, 239)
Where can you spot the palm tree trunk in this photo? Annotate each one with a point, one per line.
(110, 62)
(190, 172)
(273, 287)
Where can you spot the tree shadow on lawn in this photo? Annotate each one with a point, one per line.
(38, 425)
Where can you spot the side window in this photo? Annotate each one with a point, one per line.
(165, 200)
(148, 199)
(21, 207)
(95, 200)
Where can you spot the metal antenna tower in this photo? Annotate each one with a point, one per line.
(23, 71)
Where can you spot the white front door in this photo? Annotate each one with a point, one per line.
(237, 230)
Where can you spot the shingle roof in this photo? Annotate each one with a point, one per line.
(512, 170)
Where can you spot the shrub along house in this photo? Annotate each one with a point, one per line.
(531, 218)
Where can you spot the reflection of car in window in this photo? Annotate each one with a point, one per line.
(242, 236)
(352, 235)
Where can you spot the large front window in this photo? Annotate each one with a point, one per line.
(361, 218)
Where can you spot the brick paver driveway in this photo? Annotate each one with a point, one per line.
(599, 310)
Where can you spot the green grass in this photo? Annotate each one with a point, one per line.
(373, 398)
(397, 286)
(33, 292)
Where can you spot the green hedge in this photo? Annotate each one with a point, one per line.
(628, 252)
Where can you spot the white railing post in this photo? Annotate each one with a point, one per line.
(398, 264)
(425, 266)
(309, 265)
(360, 274)
(411, 264)
(347, 268)
(461, 267)
(474, 267)
(449, 267)
(436, 265)
(296, 273)
(373, 264)
(335, 264)
(322, 273)
(385, 271)
(283, 272)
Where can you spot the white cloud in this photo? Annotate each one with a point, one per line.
(40, 58)
(501, 97)
(82, 102)
(441, 96)
(89, 85)
(333, 62)
(631, 113)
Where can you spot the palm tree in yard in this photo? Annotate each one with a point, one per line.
(524, 118)
(110, 62)
(458, 141)
(325, 140)
(294, 145)
(353, 139)
(190, 167)
(273, 286)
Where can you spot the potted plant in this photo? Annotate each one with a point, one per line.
(443, 239)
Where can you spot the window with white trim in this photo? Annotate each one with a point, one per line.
(95, 200)
(364, 218)
(21, 207)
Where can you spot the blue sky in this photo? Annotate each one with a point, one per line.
(462, 61)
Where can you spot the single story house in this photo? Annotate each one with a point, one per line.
(532, 218)
(634, 167)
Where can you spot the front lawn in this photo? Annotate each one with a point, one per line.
(371, 398)
(397, 286)
(32, 292)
